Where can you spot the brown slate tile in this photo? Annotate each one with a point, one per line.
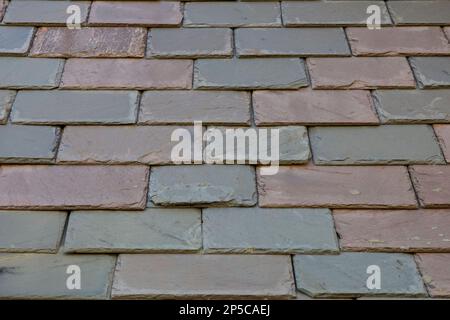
(435, 269)
(337, 187)
(423, 230)
(432, 184)
(443, 134)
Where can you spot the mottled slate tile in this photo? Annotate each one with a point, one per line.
(443, 134)
(44, 276)
(210, 276)
(24, 231)
(435, 268)
(432, 184)
(15, 40)
(6, 100)
(345, 275)
(431, 72)
(434, 12)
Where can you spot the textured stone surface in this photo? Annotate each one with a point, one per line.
(431, 72)
(420, 12)
(146, 13)
(393, 230)
(75, 107)
(190, 42)
(336, 187)
(308, 106)
(29, 73)
(432, 184)
(345, 275)
(360, 73)
(3, 4)
(163, 230)
(24, 231)
(185, 107)
(265, 73)
(291, 42)
(66, 187)
(27, 144)
(15, 40)
(203, 276)
(44, 276)
(435, 270)
(89, 42)
(127, 73)
(6, 100)
(406, 106)
(203, 185)
(232, 14)
(388, 144)
(250, 230)
(443, 134)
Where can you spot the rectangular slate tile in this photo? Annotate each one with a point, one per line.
(28, 144)
(360, 73)
(73, 187)
(185, 107)
(118, 144)
(43, 12)
(30, 73)
(151, 13)
(443, 134)
(432, 184)
(75, 107)
(433, 12)
(3, 5)
(326, 13)
(264, 73)
(307, 106)
(393, 230)
(337, 187)
(232, 14)
(203, 185)
(154, 230)
(388, 144)
(190, 42)
(89, 42)
(24, 231)
(44, 276)
(291, 42)
(345, 275)
(435, 268)
(15, 40)
(127, 74)
(431, 72)
(6, 101)
(410, 106)
(209, 276)
(250, 230)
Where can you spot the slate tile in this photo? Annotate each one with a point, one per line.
(431, 72)
(15, 40)
(6, 100)
(420, 12)
(3, 5)
(432, 184)
(443, 134)
(435, 268)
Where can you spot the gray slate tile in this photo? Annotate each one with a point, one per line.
(424, 12)
(6, 100)
(345, 275)
(431, 72)
(249, 230)
(15, 40)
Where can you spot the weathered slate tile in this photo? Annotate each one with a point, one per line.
(29, 73)
(345, 275)
(249, 230)
(435, 268)
(89, 42)
(15, 40)
(6, 100)
(154, 230)
(325, 13)
(75, 107)
(3, 4)
(203, 185)
(337, 187)
(360, 73)
(185, 107)
(443, 134)
(263, 73)
(134, 74)
(393, 230)
(420, 12)
(24, 231)
(43, 12)
(44, 276)
(151, 13)
(410, 106)
(190, 42)
(431, 72)
(232, 14)
(210, 276)
(73, 187)
(28, 144)
(432, 184)
(291, 42)
(307, 106)
(388, 144)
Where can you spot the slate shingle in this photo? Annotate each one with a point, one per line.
(431, 72)
(15, 40)
(6, 100)
(434, 12)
